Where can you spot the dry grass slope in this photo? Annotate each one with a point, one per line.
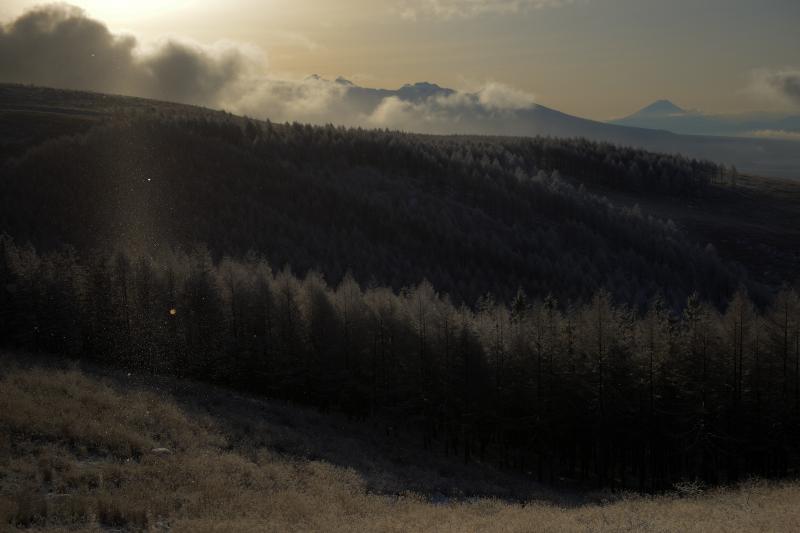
(76, 454)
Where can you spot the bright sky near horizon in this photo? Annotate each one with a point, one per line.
(593, 58)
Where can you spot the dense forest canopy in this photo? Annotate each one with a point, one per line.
(471, 215)
(596, 392)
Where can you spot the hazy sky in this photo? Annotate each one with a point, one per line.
(595, 58)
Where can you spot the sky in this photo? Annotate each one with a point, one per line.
(598, 59)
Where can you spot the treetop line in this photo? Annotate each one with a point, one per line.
(594, 391)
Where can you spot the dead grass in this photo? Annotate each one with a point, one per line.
(75, 454)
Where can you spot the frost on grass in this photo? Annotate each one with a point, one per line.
(75, 452)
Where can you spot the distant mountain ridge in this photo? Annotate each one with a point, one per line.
(661, 126)
(665, 115)
(659, 108)
(421, 91)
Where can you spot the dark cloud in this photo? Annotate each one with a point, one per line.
(60, 46)
(182, 73)
(787, 84)
(776, 85)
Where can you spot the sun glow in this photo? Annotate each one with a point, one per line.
(121, 12)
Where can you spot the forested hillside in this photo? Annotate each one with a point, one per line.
(596, 392)
(477, 288)
(470, 215)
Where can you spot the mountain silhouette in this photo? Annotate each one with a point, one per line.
(664, 115)
(659, 108)
(442, 110)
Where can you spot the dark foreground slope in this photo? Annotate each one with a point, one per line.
(76, 452)
(472, 215)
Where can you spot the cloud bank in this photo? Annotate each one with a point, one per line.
(776, 134)
(61, 46)
(450, 112)
(58, 45)
(312, 100)
(429, 109)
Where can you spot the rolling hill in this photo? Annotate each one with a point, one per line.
(494, 293)
(471, 215)
(176, 455)
(97, 170)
